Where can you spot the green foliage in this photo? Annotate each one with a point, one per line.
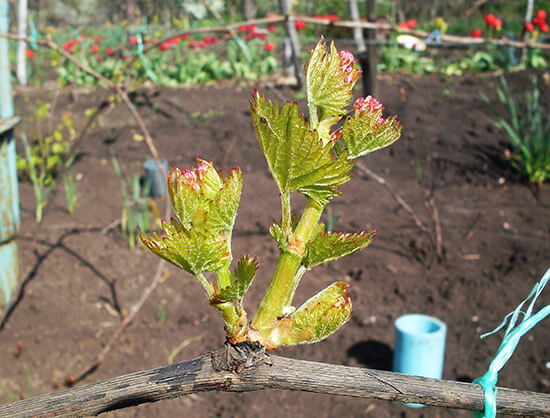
(367, 131)
(47, 152)
(239, 283)
(135, 210)
(321, 315)
(69, 185)
(393, 58)
(528, 131)
(309, 157)
(297, 157)
(328, 246)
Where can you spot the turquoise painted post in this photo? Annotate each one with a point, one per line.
(9, 194)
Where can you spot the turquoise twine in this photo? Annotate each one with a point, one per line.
(144, 62)
(34, 35)
(509, 343)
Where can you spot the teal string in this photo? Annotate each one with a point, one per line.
(34, 35)
(509, 343)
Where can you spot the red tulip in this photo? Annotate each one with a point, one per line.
(192, 43)
(497, 24)
(543, 28)
(300, 24)
(476, 33)
(269, 46)
(95, 49)
(109, 51)
(529, 27)
(97, 38)
(29, 53)
(411, 23)
(262, 36)
(99, 58)
(133, 40)
(185, 36)
(80, 38)
(541, 14)
(490, 19)
(201, 44)
(271, 28)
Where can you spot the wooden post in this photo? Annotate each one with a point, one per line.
(369, 60)
(21, 68)
(9, 194)
(292, 44)
(357, 32)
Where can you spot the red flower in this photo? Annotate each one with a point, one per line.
(249, 37)
(99, 58)
(109, 51)
(132, 40)
(251, 28)
(543, 28)
(476, 33)
(271, 28)
(165, 46)
(207, 39)
(529, 27)
(215, 40)
(95, 49)
(185, 36)
(299, 25)
(541, 14)
(272, 15)
(174, 41)
(243, 28)
(498, 24)
(201, 44)
(490, 19)
(411, 24)
(192, 43)
(262, 36)
(29, 53)
(97, 38)
(68, 45)
(269, 46)
(80, 38)
(333, 17)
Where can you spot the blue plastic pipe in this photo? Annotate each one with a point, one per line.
(9, 194)
(419, 346)
(157, 180)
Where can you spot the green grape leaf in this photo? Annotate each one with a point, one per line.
(192, 251)
(320, 316)
(276, 230)
(223, 209)
(330, 81)
(184, 195)
(365, 132)
(240, 281)
(327, 246)
(296, 156)
(204, 198)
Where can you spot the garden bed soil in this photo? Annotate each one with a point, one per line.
(495, 232)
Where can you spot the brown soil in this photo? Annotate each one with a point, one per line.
(495, 236)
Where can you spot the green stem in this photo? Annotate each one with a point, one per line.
(206, 285)
(286, 220)
(229, 314)
(286, 277)
(224, 277)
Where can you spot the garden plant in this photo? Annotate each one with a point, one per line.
(313, 157)
(528, 131)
